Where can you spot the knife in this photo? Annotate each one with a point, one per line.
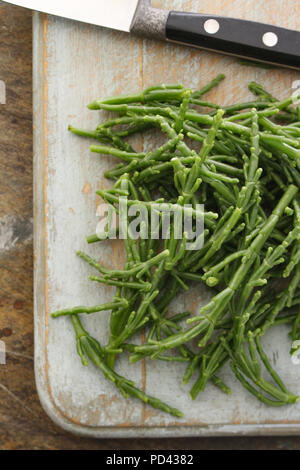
(247, 39)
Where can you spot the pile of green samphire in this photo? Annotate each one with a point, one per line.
(246, 172)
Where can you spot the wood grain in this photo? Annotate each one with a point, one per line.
(65, 79)
(23, 423)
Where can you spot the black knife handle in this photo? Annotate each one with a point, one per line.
(232, 36)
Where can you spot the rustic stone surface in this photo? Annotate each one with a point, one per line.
(23, 423)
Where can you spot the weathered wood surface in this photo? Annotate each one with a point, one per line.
(67, 176)
(23, 423)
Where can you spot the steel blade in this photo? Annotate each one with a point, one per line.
(115, 14)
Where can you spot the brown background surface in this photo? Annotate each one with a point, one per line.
(23, 423)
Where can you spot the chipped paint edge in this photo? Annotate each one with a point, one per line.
(40, 294)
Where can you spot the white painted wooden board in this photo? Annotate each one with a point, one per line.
(73, 64)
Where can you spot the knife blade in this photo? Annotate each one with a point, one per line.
(247, 39)
(114, 14)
